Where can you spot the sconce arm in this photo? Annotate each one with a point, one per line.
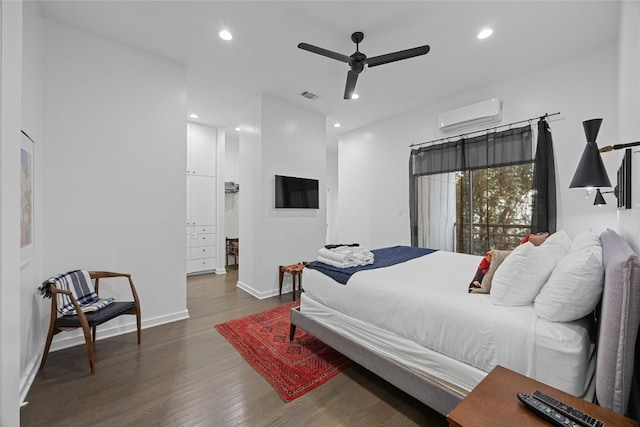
(618, 146)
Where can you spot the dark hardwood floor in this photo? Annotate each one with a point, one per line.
(186, 374)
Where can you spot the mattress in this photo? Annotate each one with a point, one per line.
(420, 313)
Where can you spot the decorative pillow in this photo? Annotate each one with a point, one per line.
(585, 239)
(537, 239)
(559, 238)
(519, 279)
(497, 257)
(476, 284)
(574, 287)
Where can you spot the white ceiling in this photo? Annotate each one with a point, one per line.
(224, 77)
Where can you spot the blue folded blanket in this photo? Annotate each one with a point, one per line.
(383, 257)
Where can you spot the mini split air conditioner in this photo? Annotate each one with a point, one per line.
(482, 113)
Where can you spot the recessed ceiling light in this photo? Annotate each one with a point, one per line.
(336, 125)
(193, 116)
(237, 128)
(485, 33)
(225, 35)
(355, 96)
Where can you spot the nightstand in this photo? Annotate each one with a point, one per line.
(493, 403)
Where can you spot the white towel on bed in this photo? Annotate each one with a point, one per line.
(338, 264)
(345, 256)
(332, 255)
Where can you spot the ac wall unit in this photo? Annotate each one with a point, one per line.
(482, 113)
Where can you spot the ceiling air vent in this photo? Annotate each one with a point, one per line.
(309, 95)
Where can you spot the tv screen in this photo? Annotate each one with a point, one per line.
(294, 192)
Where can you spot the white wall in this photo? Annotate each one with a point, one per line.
(629, 112)
(277, 138)
(373, 170)
(232, 174)
(332, 192)
(221, 250)
(33, 308)
(10, 109)
(114, 171)
(250, 197)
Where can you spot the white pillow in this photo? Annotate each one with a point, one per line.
(559, 238)
(521, 275)
(574, 288)
(584, 240)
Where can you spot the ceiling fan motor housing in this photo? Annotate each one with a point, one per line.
(357, 58)
(357, 63)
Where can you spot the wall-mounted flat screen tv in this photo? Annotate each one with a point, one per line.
(301, 193)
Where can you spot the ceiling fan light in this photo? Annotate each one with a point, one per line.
(485, 33)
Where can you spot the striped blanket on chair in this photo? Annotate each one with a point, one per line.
(79, 283)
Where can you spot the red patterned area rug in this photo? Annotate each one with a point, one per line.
(292, 367)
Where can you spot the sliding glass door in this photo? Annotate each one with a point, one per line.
(493, 208)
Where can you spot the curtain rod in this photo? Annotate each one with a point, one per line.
(456, 137)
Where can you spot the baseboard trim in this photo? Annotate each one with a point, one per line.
(262, 295)
(26, 380)
(200, 272)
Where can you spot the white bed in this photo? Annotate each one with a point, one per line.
(415, 325)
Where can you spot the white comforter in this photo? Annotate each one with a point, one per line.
(426, 301)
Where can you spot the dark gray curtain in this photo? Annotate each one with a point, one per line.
(506, 148)
(544, 210)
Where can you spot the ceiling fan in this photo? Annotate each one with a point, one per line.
(358, 60)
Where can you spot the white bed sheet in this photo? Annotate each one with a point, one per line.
(419, 312)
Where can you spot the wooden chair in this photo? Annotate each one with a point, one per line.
(87, 320)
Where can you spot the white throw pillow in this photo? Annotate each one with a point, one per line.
(574, 287)
(559, 238)
(521, 275)
(585, 240)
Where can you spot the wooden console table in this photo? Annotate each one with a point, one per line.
(493, 403)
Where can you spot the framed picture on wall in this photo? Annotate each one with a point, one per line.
(26, 199)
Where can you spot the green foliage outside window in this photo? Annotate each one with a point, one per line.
(500, 210)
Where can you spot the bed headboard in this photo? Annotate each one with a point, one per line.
(618, 322)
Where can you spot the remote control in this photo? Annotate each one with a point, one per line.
(546, 412)
(567, 410)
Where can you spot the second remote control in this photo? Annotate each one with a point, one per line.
(546, 412)
(569, 411)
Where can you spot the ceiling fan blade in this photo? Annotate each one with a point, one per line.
(397, 56)
(352, 78)
(325, 52)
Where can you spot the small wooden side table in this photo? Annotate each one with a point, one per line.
(295, 270)
(493, 403)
